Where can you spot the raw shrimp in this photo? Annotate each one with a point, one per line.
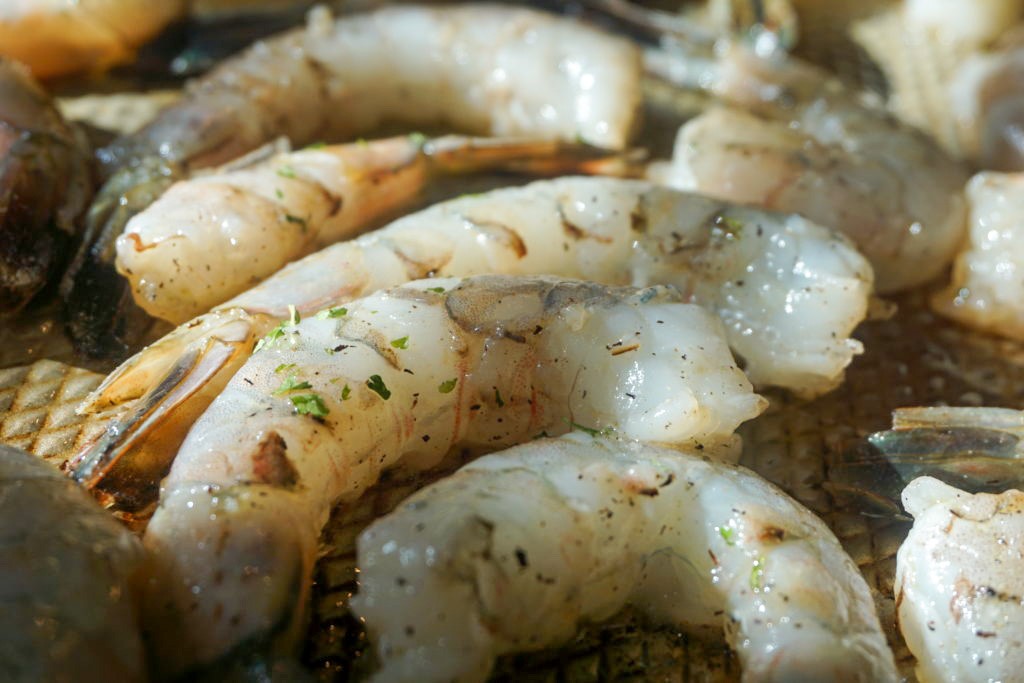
(802, 144)
(959, 582)
(401, 378)
(212, 237)
(516, 550)
(65, 569)
(987, 288)
(58, 37)
(45, 184)
(478, 68)
(789, 292)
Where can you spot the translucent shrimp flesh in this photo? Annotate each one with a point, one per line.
(212, 237)
(401, 378)
(65, 580)
(959, 582)
(516, 550)
(987, 287)
(789, 292)
(483, 69)
(797, 141)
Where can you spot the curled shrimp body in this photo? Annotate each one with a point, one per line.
(959, 581)
(481, 69)
(212, 237)
(65, 574)
(58, 37)
(789, 292)
(45, 184)
(517, 549)
(798, 142)
(401, 378)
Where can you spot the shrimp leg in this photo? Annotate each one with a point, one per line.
(516, 550)
(481, 69)
(789, 292)
(401, 378)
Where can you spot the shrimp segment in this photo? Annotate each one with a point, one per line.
(789, 292)
(401, 378)
(476, 68)
(987, 288)
(959, 578)
(212, 237)
(58, 37)
(516, 550)
(798, 142)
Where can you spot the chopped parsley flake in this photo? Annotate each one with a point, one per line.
(730, 225)
(727, 535)
(301, 222)
(291, 384)
(309, 404)
(272, 336)
(345, 393)
(418, 139)
(278, 193)
(446, 386)
(757, 573)
(377, 385)
(293, 315)
(316, 145)
(498, 399)
(607, 431)
(401, 342)
(335, 312)
(284, 366)
(439, 290)
(286, 172)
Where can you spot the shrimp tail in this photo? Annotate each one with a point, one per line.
(125, 465)
(101, 316)
(456, 154)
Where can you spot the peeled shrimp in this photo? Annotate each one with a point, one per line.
(987, 288)
(476, 68)
(401, 378)
(516, 550)
(45, 185)
(65, 569)
(959, 582)
(214, 236)
(59, 37)
(802, 144)
(789, 292)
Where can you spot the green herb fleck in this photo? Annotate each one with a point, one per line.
(301, 222)
(278, 193)
(498, 399)
(757, 573)
(439, 290)
(286, 172)
(284, 366)
(293, 315)
(335, 312)
(377, 384)
(401, 342)
(291, 383)
(362, 142)
(730, 225)
(607, 431)
(309, 404)
(727, 535)
(345, 393)
(446, 386)
(316, 145)
(271, 337)
(418, 139)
